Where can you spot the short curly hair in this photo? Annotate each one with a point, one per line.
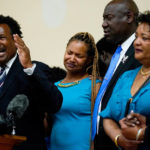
(12, 24)
(144, 17)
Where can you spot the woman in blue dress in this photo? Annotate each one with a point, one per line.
(72, 124)
(131, 93)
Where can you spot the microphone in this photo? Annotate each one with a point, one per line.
(18, 106)
(15, 110)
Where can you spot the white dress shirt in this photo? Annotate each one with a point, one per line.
(28, 71)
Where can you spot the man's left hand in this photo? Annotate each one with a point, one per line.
(23, 52)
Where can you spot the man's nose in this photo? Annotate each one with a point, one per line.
(104, 24)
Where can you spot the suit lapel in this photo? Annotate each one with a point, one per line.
(123, 65)
(11, 78)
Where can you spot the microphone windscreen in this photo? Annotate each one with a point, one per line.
(18, 105)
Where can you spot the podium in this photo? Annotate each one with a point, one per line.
(8, 141)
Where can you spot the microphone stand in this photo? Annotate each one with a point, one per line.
(13, 124)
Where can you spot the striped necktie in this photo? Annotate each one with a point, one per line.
(2, 76)
(103, 88)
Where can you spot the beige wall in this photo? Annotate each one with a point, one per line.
(47, 25)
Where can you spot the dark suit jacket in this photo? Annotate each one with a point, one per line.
(43, 97)
(102, 141)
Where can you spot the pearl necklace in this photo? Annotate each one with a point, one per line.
(144, 73)
(68, 85)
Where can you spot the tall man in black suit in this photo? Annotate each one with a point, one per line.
(24, 77)
(119, 25)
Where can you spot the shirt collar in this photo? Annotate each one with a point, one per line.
(126, 44)
(9, 63)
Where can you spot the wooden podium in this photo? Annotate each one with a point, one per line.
(8, 141)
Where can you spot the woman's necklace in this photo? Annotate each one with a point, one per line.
(144, 73)
(68, 85)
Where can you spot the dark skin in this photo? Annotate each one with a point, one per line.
(7, 44)
(10, 44)
(76, 61)
(131, 124)
(129, 133)
(118, 23)
(112, 130)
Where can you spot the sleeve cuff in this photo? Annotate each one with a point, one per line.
(29, 71)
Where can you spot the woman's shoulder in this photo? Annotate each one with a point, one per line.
(132, 72)
(56, 83)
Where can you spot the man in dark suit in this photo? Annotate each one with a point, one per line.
(21, 76)
(119, 25)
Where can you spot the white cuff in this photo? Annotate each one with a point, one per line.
(29, 71)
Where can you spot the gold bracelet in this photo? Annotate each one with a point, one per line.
(116, 140)
(138, 134)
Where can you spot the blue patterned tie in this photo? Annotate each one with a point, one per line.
(103, 87)
(2, 76)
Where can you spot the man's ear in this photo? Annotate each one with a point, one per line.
(130, 17)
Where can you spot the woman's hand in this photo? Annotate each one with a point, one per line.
(128, 144)
(131, 126)
(135, 119)
(112, 130)
(129, 131)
